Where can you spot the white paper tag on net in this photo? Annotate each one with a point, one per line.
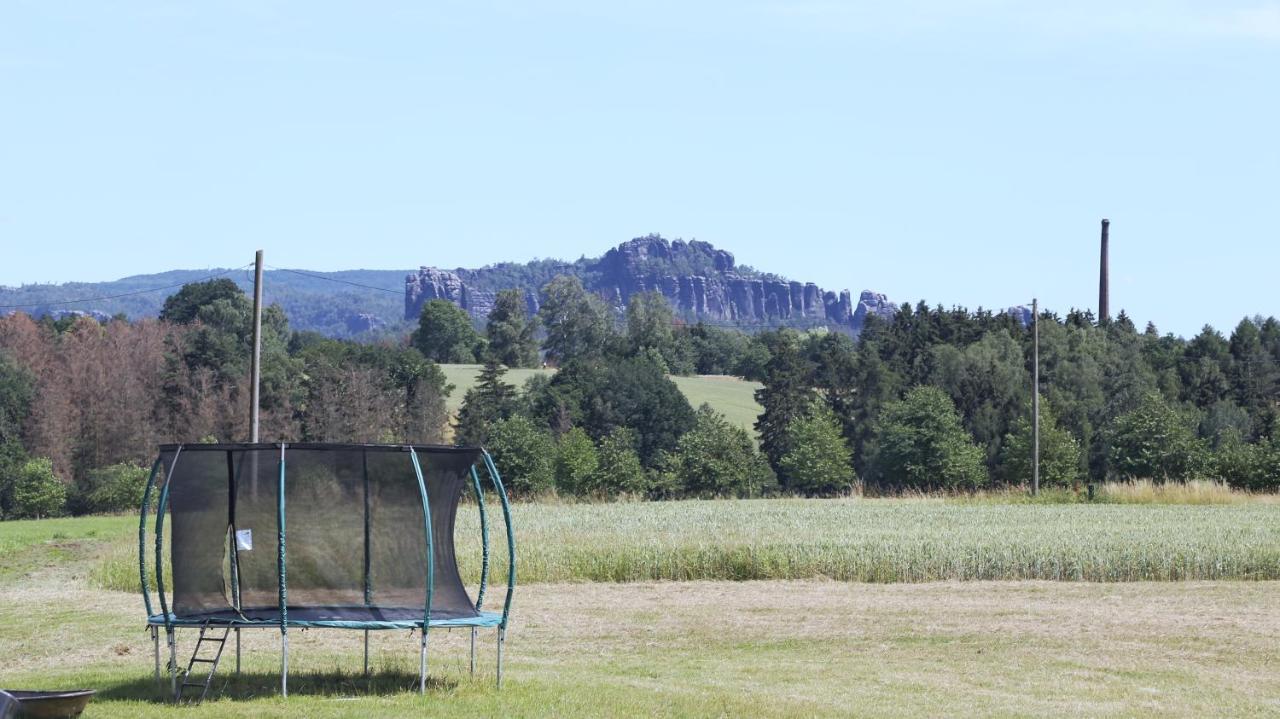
(244, 539)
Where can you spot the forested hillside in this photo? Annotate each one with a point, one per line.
(349, 303)
(930, 399)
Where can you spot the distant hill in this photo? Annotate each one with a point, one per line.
(312, 301)
(701, 282)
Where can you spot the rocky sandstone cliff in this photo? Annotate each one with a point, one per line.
(700, 281)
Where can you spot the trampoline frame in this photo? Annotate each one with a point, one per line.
(171, 623)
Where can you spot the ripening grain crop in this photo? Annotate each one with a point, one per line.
(885, 540)
(856, 540)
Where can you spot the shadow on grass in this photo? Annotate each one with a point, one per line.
(261, 685)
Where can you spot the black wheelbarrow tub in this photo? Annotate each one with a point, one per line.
(48, 705)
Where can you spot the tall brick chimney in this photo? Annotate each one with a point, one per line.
(1104, 291)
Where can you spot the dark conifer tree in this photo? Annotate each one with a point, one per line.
(510, 330)
(785, 396)
(485, 404)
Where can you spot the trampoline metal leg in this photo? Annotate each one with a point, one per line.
(473, 651)
(237, 651)
(155, 647)
(366, 652)
(422, 664)
(284, 664)
(173, 662)
(502, 639)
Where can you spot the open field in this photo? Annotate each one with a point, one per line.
(716, 649)
(862, 540)
(810, 647)
(731, 396)
(463, 377)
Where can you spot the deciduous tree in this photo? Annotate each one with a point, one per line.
(921, 444)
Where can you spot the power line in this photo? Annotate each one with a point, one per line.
(335, 279)
(86, 300)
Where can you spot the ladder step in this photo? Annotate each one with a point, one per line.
(206, 661)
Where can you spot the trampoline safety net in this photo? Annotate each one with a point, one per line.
(353, 525)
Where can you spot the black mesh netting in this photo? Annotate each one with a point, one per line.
(355, 538)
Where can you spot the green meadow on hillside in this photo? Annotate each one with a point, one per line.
(731, 396)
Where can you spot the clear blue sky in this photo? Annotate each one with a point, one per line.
(960, 151)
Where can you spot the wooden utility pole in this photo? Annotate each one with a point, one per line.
(1035, 397)
(255, 373)
(255, 390)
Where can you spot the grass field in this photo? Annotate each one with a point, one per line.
(463, 377)
(731, 396)
(774, 649)
(784, 640)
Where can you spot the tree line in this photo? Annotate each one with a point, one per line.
(932, 399)
(940, 399)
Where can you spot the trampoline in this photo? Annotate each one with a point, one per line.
(347, 536)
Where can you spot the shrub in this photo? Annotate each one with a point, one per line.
(576, 461)
(920, 444)
(37, 491)
(1156, 441)
(619, 470)
(1060, 454)
(1254, 467)
(817, 460)
(716, 459)
(117, 488)
(445, 334)
(525, 454)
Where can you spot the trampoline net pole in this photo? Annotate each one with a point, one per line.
(160, 510)
(284, 625)
(431, 562)
(142, 536)
(492, 470)
(484, 538)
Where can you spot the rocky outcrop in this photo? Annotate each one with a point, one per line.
(698, 280)
(1021, 313)
(364, 322)
(431, 283)
(872, 303)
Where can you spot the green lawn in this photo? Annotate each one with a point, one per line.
(731, 396)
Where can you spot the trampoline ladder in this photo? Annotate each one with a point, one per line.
(206, 637)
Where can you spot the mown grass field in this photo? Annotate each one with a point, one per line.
(595, 635)
(731, 396)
